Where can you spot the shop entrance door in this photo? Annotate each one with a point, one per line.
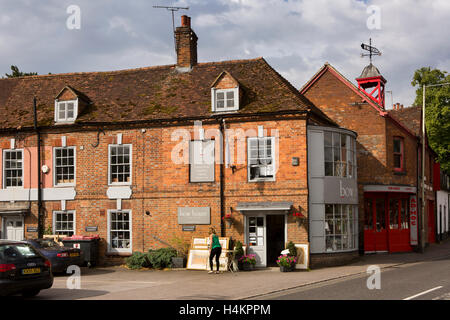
(256, 238)
(399, 234)
(14, 228)
(431, 222)
(375, 233)
(275, 238)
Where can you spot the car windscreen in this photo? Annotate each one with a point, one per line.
(10, 252)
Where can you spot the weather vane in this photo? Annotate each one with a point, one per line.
(173, 9)
(372, 50)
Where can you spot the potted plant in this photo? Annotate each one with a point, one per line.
(182, 249)
(248, 262)
(238, 253)
(292, 251)
(286, 262)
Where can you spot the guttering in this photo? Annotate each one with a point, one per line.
(80, 125)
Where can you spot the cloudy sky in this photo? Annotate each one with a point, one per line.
(295, 36)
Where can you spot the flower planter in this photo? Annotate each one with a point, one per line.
(248, 266)
(287, 269)
(178, 262)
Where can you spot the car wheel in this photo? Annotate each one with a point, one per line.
(31, 293)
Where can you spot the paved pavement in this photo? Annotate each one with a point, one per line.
(120, 283)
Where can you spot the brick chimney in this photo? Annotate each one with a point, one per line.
(186, 42)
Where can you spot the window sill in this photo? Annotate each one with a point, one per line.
(262, 180)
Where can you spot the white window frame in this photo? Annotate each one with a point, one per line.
(66, 120)
(56, 212)
(109, 165)
(117, 250)
(55, 182)
(214, 92)
(4, 169)
(273, 160)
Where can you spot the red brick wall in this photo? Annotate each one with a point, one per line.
(159, 186)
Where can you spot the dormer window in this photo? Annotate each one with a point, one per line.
(226, 99)
(225, 93)
(66, 111)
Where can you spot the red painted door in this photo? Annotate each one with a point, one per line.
(375, 233)
(431, 222)
(399, 234)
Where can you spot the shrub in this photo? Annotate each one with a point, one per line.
(161, 258)
(238, 250)
(180, 246)
(138, 260)
(292, 249)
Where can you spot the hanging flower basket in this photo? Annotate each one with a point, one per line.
(228, 220)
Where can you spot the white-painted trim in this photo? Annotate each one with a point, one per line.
(273, 161)
(75, 111)
(63, 205)
(111, 250)
(58, 185)
(214, 92)
(65, 211)
(3, 170)
(109, 166)
(119, 204)
(13, 144)
(119, 138)
(124, 192)
(64, 141)
(48, 194)
(260, 131)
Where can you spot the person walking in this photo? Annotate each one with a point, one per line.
(215, 249)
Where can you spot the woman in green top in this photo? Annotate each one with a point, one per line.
(216, 249)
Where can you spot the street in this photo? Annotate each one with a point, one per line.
(417, 281)
(408, 275)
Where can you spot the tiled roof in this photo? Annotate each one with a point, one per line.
(409, 117)
(148, 93)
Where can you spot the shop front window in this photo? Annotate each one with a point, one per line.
(340, 227)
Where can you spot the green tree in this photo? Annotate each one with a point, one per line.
(17, 73)
(437, 114)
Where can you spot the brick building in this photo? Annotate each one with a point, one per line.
(139, 155)
(388, 158)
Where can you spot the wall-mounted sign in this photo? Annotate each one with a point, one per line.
(201, 160)
(188, 228)
(32, 229)
(379, 188)
(91, 229)
(414, 221)
(340, 190)
(194, 215)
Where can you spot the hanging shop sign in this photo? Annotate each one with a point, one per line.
(414, 221)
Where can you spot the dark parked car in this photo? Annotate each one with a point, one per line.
(23, 269)
(60, 257)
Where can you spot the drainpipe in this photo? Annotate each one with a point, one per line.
(222, 180)
(38, 134)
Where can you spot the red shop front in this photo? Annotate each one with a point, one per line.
(390, 218)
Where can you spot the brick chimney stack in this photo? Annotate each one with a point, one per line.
(186, 42)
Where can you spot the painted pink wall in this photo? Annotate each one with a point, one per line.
(30, 163)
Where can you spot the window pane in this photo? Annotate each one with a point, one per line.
(397, 145)
(328, 141)
(393, 213)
